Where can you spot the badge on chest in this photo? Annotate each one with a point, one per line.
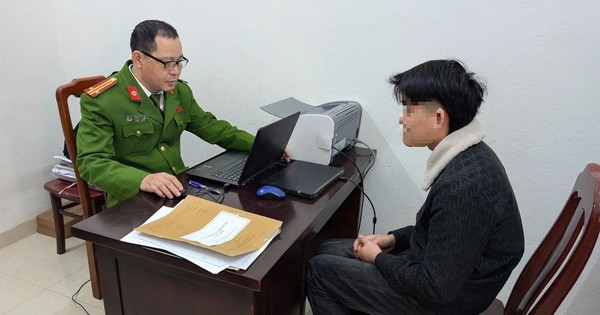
(135, 118)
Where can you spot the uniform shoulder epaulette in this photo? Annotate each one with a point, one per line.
(182, 81)
(101, 87)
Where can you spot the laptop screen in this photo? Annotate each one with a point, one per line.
(268, 146)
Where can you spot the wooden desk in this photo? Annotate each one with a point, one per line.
(137, 280)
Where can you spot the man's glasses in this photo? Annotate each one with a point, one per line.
(169, 65)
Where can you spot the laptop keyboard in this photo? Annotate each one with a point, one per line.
(233, 171)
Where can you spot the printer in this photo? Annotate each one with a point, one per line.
(321, 131)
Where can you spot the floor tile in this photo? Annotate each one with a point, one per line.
(35, 280)
(34, 260)
(52, 303)
(13, 292)
(73, 282)
(307, 309)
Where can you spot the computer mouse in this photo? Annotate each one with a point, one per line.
(270, 192)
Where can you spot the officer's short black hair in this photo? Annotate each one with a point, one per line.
(445, 81)
(143, 35)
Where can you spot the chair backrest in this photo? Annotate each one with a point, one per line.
(75, 88)
(558, 261)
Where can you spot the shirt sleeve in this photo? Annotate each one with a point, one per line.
(212, 130)
(95, 153)
(402, 237)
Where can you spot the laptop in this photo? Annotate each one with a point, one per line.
(304, 179)
(238, 168)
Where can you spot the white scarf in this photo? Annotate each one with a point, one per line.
(450, 147)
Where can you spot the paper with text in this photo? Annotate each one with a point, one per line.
(223, 228)
(207, 259)
(193, 214)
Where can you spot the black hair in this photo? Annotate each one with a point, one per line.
(445, 81)
(143, 35)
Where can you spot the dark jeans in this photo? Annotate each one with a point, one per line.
(337, 282)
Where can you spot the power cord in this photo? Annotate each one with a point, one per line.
(216, 195)
(362, 181)
(372, 154)
(370, 202)
(74, 295)
(222, 196)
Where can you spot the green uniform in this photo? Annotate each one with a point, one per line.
(123, 136)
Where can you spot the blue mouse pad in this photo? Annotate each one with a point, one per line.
(304, 179)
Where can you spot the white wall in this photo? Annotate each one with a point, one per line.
(539, 59)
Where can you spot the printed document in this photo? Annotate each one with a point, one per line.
(213, 226)
(209, 260)
(223, 228)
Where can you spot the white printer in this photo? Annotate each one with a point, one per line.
(319, 129)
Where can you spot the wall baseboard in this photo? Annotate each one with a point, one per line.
(18, 232)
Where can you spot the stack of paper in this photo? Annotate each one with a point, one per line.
(210, 235)
(63, 169)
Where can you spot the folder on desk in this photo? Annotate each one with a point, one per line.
(193, 214)
(207, 259)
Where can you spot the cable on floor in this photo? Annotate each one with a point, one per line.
(74, 295)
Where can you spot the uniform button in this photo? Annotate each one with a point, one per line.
(138, 133)
(162, 148)
(173, 168)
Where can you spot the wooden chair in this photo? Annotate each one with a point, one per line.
(63, 92)
(63, 198)
(558, 261)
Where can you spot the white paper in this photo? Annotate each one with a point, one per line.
(221, 229)
(207, 259)
(63, 159)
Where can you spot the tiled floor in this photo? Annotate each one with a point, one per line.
(35, 280)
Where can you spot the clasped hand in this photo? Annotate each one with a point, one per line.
(367, 247)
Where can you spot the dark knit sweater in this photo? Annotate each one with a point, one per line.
(466, 241)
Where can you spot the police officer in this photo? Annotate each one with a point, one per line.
(131, 123)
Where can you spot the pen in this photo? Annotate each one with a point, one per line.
(200, 186)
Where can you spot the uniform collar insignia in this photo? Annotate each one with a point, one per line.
(101, 87)
(134, 95)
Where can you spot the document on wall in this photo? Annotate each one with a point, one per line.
(209, 260)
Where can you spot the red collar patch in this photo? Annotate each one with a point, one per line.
(179, 109)
(134, 95)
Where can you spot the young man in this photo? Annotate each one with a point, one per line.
(468, 235)
(128, 142)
